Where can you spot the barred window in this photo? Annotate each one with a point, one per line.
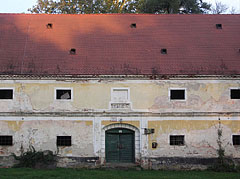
(236, 139)
(6, 94)
(64, 140)
(6, 140)
(235, 94)
(177, 140)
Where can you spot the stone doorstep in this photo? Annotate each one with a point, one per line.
(121, 166)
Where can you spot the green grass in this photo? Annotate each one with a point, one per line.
(27, 173)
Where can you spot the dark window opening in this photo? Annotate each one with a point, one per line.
(236, 139)
(163, 51)
(219, 26)
(49, 26)
(63, 94)
(6, 140)
(235, 93)
(6, 94)
(177, 94)
(177, 140)
(73, 51)
(64, 140)
(133, 25)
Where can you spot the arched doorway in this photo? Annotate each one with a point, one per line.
(120, 145)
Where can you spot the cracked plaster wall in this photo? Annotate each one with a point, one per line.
(147, 96)
(200, 137)
(41, 134)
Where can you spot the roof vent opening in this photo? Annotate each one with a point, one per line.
(133, 25)
(49, 26)
(72, 51)
(219, 26)
(163, 51)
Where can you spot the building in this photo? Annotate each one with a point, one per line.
(146, 89)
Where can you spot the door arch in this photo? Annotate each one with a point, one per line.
(119, 145)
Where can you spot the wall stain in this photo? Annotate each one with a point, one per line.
(87, 123)
(15, 125)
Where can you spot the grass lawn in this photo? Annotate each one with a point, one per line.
(27, 173)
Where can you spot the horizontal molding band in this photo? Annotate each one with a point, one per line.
(118, 77)
(120, 114)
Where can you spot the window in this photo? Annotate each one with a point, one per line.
(235, 93)
(64, 140)
(219, 26)
(72, 51)
(163, 51)
(133, 25)
(177, 94)
(177, 140)
(6, 93)
(6, 140)
(236, 139)
(63, 94)
(49, 26)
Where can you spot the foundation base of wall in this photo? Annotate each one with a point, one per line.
(78, 162)
(63, 162)
(181, 163)
(7, 161)
(160, 163)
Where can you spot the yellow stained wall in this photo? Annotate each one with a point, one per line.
(42, 135)
(200, 137)
(152, 96)
(168, 126)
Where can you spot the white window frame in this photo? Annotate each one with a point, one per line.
(126, 102)
(185, 94)
(6, 88)
(64, 88)
(230, 92)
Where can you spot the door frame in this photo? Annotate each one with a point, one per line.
(122, 125)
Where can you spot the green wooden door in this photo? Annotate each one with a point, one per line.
(120, 145)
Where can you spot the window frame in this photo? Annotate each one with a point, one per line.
(6, 88)
(230, 92)
(185, 94)
(64, 88)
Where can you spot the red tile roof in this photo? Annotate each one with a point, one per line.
(107, 45)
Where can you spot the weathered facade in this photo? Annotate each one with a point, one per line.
(146, 89)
